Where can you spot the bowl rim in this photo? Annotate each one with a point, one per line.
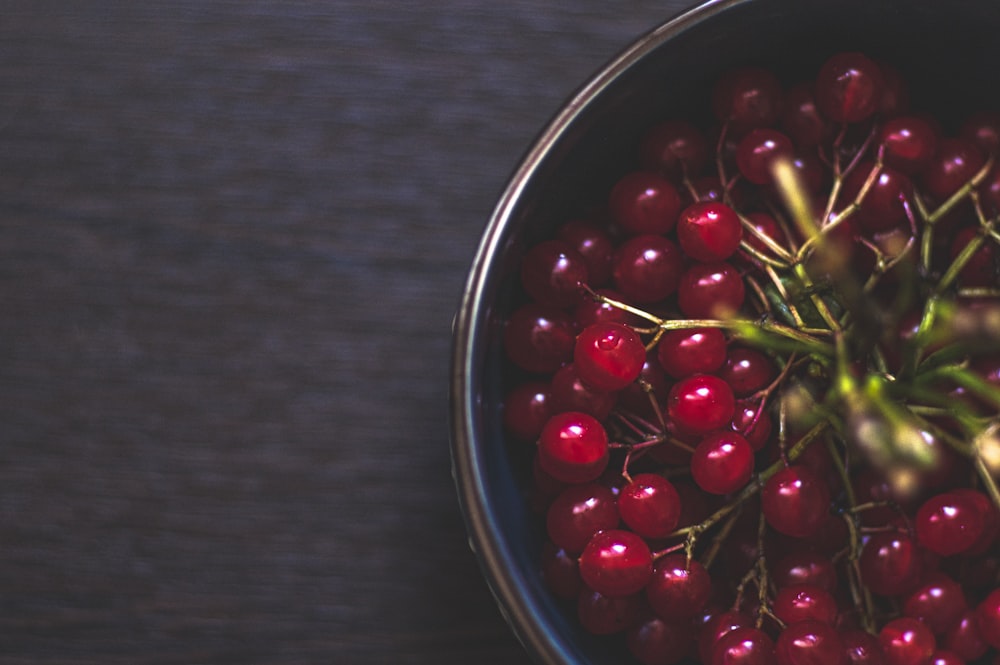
(469, 327)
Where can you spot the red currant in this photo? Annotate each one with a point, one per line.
(939, 602)
(616, 563)
(722, 463)
(594, 244)
(747, 97)
(710, 290)
(607, 615)
(949, 523)
(654, 641)
(862, 648)
(573, 448)
(608, 356)
(560, 572)
(848, 87)
(744, 646)
(701, 403)
(810, 642)
(747, 370)
(692, 351)
(988, 618)
(799, 602)
(908, 144)
(889, 563)
(578, 512)
(553, 272)
(709, 231)
(954, 164)
(568, 392)
(675, 148)
(647, 268)
(644, 202)
(801, 120)
(526, 409)
(679, 588)
(650, 505)
(758, 151)
(795, 501)
(906, 641)
(538, 338)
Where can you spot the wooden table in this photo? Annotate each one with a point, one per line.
(232, 237)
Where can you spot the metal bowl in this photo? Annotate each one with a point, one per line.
(946, 51)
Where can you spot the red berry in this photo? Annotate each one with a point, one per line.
(954, 164)
(908, 143)
(882, 208)
(674, 148)
(595, 246)
(654, 641)
(965, 638)
(747, 97)
(709, 231)
(804, 566)
(560, 572)
(810, 642)
(526, 409)
(650, 505)
(716, 627)
(644, 202)
(573, 448)
(795, 501)
(799, 602)
(848, 87)
(616, 563)
(906, 641)
(539, 339)
(568, 392)
(692, 351)
(747, 370)
(988, 618)
(983, 268)
(607, 615)
(552, 273)
(577, 513)
(983, 129)
(801, 120)
(889, 563)
(679, 589)
(647, 268)
(722, 463)
(758, 151)
(862, 648)
(701, 403)
(744, 646)
(939, 602)
(949, 523)
(608, 356)
(710, 290)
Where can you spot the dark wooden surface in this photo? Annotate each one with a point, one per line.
(232, 237)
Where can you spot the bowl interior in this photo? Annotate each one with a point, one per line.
(945, 51)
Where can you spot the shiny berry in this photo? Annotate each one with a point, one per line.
(568, 392)
(744, 646)
(607, 615)
(939, 602)
(594, 244)
(560, 572)
(709, 231)
(949, 523)
(701, 403)
(801, 120)
(553, 273)
(644, 202)
(578, 512)
(804, 567)
(810, 642)
(988, 618)
(608, 356)
(653, 641)
(722, 463)
(862, 648)
(679, 589)
(906, 641)
(573, 447)
(710, 290)
(795, 501)
(908, 144)
(539, 339)
(692, 351)
(526, 409)
(647, 268)
(889, 563)
(955, 163)
(747, 97)
(616, 563)
(747, 370)
(758, 151)
(674, 148)
(650, 505)
(848, 87)
(798, 602)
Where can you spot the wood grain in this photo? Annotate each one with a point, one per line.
(232, 236)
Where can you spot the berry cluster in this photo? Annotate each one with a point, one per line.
(760, 383)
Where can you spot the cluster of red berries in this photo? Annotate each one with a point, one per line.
(760, 383)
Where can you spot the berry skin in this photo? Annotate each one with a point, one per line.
(526, 409)
(810, 642)
(716, 627)
(949, 523)
(573, 448)
(539, 339)
(848, 87)
(595, 246)
(988, 618)
(644, 202)
(616, 563)
(862, 648)
(954, 164)
(710, 290)
(650, 505)
(608, 356)
(568, 392)
(965, 639)
(647, 268)
(801, 120)
(675, 148)
(906, 641)
(560, 572)
(806, 567)
(678, 589)
(800, 602)
(758, 151)
(882, 207)
(744, 646)
(552, 273)
(909, 144)
(722, 463)
(577, 513)
(889, 563)
(795, 501)
(701, 403)
(747, 370)
(939, 602)
(755, 428)
(654, 641)
(709, 231)
(746, 98)
(607, 615)
(692, 351)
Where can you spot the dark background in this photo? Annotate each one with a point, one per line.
(232, 238)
